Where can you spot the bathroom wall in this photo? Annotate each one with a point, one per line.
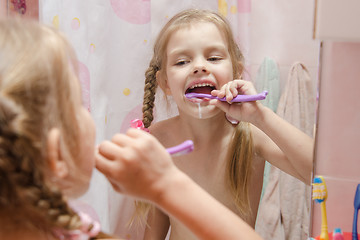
(337, 155)
(283, 30)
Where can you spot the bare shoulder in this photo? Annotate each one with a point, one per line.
(164, 130)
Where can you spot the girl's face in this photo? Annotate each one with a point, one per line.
(198, 60)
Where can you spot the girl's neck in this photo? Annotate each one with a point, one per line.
(203, 129)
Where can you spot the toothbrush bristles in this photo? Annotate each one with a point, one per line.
(319, 192)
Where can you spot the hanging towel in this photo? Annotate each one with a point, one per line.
(284, 212)
(268, 78)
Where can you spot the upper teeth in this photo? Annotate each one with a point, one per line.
(201, 85)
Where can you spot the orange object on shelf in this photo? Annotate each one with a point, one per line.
(347, 236)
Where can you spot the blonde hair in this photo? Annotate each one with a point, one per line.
(37, 65)
(241, 151)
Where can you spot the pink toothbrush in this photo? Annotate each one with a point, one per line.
(182, 148)
(238, 98)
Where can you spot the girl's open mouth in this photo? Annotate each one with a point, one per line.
(204, 88)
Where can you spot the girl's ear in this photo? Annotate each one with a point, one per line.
(162, 82)
(57, 164)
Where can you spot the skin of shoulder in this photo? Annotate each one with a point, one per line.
(165, 132)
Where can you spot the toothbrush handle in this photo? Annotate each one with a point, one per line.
(247, 98)
(184, 147)
(354, 228)
(238, 98)
(324, 235)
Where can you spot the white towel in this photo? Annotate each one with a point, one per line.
(284, 212)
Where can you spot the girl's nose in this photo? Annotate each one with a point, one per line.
(200, 69)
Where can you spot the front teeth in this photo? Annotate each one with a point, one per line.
(201, 85)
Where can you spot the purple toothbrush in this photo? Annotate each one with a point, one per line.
(182, 148)
(238, 98)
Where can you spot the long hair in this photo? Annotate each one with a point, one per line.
(241, 150)
(37, 65)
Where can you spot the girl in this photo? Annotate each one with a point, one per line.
(46, 136)
(196, 52)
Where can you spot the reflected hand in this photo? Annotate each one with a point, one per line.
(245, 111)
(136, 164)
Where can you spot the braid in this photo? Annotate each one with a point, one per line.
(21, 169)
(62, 216)
(17, 155)
(8, 115)
(149, 93)
(52, 202)
(23, 188)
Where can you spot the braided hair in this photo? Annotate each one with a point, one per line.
(37, 66)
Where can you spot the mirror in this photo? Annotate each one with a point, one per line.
(337, 158)
(113, 41)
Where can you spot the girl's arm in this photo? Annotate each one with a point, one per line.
(284, 145)
(137, 164)
(278, 142)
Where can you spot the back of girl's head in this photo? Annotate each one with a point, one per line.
(158, 62)
(36, 69)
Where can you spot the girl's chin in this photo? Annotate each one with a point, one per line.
(204, 111)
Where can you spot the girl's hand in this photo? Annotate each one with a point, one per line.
(135, 164)
(245, 111)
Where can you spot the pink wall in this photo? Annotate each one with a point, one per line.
(337, 156)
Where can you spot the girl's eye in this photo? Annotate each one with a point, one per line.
(212, 59)
(181, 62)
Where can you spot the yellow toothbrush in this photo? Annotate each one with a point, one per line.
(319, 194)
